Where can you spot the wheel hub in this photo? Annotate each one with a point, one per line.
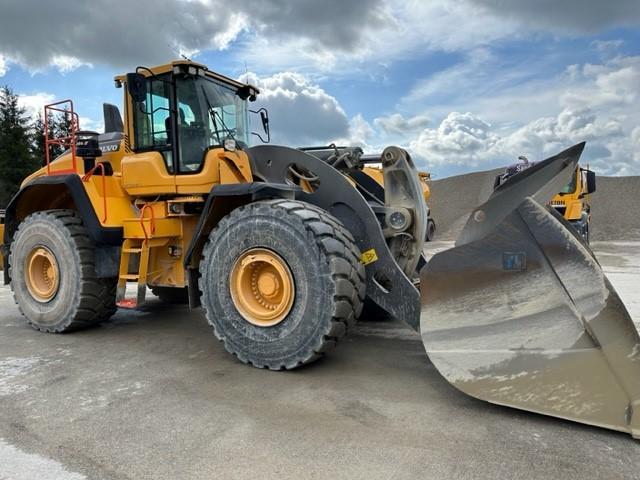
(262, 287)
(41, 274)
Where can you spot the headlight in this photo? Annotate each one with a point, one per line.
(230, 144)
(398, 220)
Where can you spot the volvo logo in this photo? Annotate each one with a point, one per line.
(114, 147)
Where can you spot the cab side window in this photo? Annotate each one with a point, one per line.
(192, 134)
(153, 120)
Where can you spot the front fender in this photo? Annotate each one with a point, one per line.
(387, 284)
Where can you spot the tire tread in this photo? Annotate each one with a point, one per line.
(97, 295)
(347, 272)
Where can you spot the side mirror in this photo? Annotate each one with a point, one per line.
(264, 118)
(591, 181)
(137, 86)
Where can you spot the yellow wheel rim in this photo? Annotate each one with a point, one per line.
(262, 287)
(41, 274)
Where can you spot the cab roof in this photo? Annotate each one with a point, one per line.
(185, 64)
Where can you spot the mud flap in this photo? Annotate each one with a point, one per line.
(521, 314)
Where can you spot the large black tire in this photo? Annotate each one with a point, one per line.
(431, 230)
(177, 296)
(328, 276)
(82, 299)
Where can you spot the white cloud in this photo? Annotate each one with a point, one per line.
(359, 134)
(300, 111)
(461, 138)
(3, 66)
(150, 33)
(397, 29)
(607, 46)
(592, 102)
(480, 81)
(34, 106)
(66, 63)
(397, 124)
(465, 139)
(90, 124)
(280, 35)
(34, 103)
(546, 136)
(238, 23)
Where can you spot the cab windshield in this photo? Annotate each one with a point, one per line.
(207, 113)
(569, 187)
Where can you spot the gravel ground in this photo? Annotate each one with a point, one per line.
(152, 395)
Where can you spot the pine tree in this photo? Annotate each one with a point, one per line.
(16, 156)
(61, 126)
(37, 140)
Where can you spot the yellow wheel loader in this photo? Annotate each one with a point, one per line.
(572, 201)
(281, 248)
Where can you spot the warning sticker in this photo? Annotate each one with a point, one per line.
(368, 257)
(514, 261)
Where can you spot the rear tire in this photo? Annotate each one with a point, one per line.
(80, 298)
(328, 280)
(175, 295)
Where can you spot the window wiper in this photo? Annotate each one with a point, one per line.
(212, 114)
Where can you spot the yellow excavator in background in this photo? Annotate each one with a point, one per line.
(281, 248)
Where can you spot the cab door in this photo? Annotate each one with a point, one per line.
(151, 169)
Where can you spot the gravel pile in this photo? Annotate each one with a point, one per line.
(614, 206)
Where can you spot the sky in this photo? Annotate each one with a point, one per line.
(463, 85)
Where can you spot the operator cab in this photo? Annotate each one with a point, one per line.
(182, 110)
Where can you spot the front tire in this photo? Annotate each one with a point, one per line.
(286, 248)
(53, 276)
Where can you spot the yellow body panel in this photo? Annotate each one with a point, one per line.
(145, 174)
(62, 163)
(234, 167)
(219, 167)
(65, 162)
(108, 191)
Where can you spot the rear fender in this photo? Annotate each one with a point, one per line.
(54, 192)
